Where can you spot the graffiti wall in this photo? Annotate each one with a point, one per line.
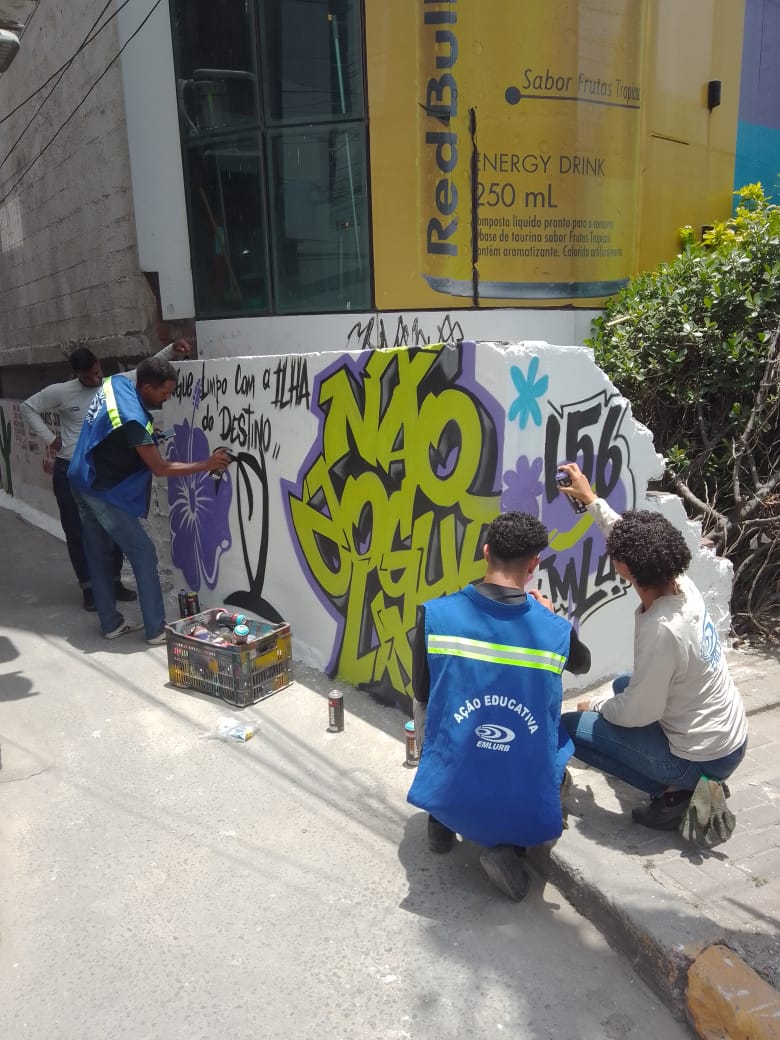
(26, 463)
(363, 483)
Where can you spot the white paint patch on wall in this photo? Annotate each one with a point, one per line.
(25, 461)
(243, 337)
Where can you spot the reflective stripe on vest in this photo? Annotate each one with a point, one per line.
(113, 410)
(496, 653)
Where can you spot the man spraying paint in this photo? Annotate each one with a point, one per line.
(70, 401)
(486, 674)
(111, 475)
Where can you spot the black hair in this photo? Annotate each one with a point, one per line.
(155, 371)
(650, 546)
(516, 536)
(82, 359)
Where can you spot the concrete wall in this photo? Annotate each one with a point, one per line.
(239, 337)
(364, 479)
(69, 269)
(363, 482)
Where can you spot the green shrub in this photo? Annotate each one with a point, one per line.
(694, 346)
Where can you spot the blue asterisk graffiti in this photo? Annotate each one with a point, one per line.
(528, 389)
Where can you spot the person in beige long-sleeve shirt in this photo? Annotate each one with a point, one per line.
(678, 716)
(70, 401)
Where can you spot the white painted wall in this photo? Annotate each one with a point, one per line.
(242, 337)
(155, 155)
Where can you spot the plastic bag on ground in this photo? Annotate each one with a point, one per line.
(228, 728)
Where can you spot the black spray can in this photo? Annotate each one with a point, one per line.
(183, 609)
(193, 604)
(563, 480)
(335, 711)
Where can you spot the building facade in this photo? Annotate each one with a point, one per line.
(309, 174)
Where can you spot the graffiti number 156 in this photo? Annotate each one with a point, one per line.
(571, 436)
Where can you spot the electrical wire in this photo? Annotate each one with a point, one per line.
(62, 126)
(70, 60)
(65, 68)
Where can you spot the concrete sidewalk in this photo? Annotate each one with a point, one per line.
(662, 901)
(694, 924)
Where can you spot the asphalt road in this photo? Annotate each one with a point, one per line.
(156, 884)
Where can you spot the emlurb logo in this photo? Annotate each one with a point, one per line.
(495, 734)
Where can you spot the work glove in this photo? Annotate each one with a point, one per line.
(708, 820)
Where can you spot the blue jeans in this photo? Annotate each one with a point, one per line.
(640, 755)
(103, 524)
(71, 525)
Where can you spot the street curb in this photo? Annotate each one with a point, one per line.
(726, 998)
(700, 980)
(663, 969)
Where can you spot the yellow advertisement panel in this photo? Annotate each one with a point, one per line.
(528, 125)
(528, 147)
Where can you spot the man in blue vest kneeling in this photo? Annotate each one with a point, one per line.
(486, 675)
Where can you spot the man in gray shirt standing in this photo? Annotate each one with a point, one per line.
(70, 401)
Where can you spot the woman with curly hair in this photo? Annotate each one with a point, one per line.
(678, 717)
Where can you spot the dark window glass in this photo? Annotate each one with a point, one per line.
(319, 218)
(216, 78)
(227, 227)
(313, 69)
(308, 139)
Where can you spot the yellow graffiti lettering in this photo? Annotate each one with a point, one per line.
(561, 540)
(392, 510)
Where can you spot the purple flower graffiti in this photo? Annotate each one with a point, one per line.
(580, 576)
(199, 508)
(523, 487)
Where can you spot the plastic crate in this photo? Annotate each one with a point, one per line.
(239, 675)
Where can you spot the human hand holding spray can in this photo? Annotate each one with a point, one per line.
(218, 474)
(573, 483)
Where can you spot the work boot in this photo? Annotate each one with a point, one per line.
(503, 864)
(89, 603)
(123, 594)
(665, 812)
(440, 838)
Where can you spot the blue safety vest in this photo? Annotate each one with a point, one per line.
(494, 749)
(115, 403)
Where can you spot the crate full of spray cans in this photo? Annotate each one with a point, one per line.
(239, 658)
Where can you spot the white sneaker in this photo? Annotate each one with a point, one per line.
(123, 629)
(159, 640)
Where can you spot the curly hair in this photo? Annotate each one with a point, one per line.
(650, 546)
(516, 536)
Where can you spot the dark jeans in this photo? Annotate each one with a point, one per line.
(71, 525)
(104, 525)
(640, 755)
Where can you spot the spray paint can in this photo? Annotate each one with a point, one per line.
(335, 712)
(563, 480)
(193, 604)
(183, 610)
(240, 634)
(222, 617)
(412, 751)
